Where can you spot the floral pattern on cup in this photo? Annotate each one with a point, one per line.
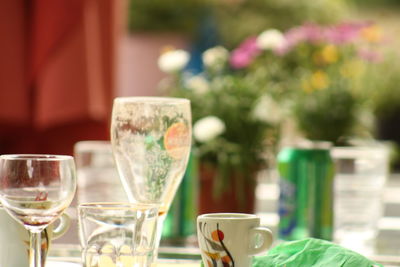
(217, 251)
(231, 239)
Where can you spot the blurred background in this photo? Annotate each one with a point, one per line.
(64, 61)
(260, 74)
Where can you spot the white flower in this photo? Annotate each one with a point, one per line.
(198, 84)
(270, 39)
(173, 61)
(215, 57)
(208, 128)
(267, 110)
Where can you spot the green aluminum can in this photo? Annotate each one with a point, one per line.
(306, 191)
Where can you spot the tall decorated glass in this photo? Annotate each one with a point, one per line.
(35, 190)
(151, 140)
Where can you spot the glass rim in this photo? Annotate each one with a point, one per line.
(354, 151)
(228, 216)
(151, 99)
(37, 157)
(117, 206)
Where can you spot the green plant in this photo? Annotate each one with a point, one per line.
(311, 74)
(384, 87)
(166, 15)
(374, 3)
(320, 72)
(250, 17)
(231, 133)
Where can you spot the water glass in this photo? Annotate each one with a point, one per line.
(97, 174)
(117, 234)
(361, 173)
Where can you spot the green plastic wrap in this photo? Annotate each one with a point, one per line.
(312, 252)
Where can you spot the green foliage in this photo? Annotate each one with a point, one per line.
(327, 101)
(326, 115)
(317, 76)
(320, 77)
(232, 99)
(237, 21)
(166, 15)
(231, 96)
(380, 3)
(384, 87)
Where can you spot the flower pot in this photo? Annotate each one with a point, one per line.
(238, 193)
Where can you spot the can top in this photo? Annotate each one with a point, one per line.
(308, 144)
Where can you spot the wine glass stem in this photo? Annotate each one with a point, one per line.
(35, 257)
(160, 225)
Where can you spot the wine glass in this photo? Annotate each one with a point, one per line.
(35, 190)
(151, 140)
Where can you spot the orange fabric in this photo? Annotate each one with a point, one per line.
(56, 72)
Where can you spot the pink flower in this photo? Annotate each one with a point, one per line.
(283, 49)
(295, 36)
(369, 55)
(245, 54)
(313, 33)
(308, 32)
(344, 33)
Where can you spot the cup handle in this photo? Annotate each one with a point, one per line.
(266, 235)
(62, 227)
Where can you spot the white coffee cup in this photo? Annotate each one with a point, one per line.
(14, 239)
(231, 239)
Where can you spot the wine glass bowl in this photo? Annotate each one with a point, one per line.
(151, 140)
(35, 190)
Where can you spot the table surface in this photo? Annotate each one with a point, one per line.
(66, 255)
(387, 247)
(53, 262)
(69, 256)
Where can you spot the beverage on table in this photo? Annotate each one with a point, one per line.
(306, 191)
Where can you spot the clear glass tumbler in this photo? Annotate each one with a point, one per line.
(361, 174)
(98, 178)
(117, 234)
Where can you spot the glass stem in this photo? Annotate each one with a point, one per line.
(35, 249)
(160, 224)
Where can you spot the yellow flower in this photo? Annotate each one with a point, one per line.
(330, 54)
(352, 68)
(372, 34)
(318, 58)
(306, 86)
(167, 48)
(319, 80)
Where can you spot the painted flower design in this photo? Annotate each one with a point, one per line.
(216, 252)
